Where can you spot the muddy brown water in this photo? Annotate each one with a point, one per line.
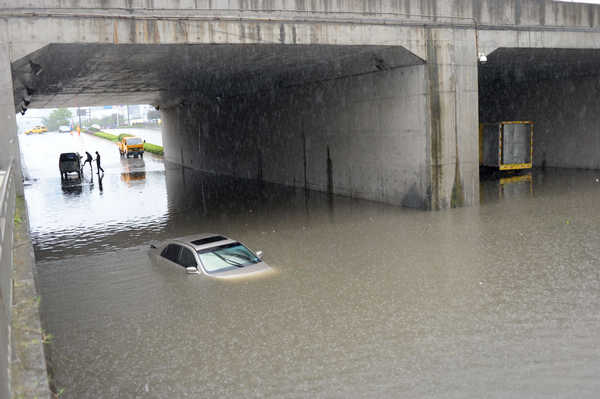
(500, 300)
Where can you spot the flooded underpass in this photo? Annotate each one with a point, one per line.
(368, 300)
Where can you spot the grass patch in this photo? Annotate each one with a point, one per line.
(153, 149)
(120, 137)
(20, 204)
(107, 136)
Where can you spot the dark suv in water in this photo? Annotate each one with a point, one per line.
(69, 162)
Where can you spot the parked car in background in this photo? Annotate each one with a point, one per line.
(64, 129)
(131, 146)
(37, 129)
(210, 255)
(69, 162)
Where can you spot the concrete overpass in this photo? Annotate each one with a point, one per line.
(375, 99)
(372, 99)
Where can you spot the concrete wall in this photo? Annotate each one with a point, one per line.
(360, 136)
(28, 371)
(7, 211)
(9, 144)
(566, 113)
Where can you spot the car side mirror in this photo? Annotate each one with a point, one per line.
(191, 270)
(259, 254)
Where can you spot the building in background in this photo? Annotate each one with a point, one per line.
(108, 116)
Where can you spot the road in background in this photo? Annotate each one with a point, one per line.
(129, 192)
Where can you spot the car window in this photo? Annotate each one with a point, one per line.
(186, 258)
(226, 256)
(68, 157)
(171, 252)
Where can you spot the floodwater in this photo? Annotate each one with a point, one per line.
(500, 300)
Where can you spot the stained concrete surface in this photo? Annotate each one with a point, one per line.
(362, 136)
(29, 374)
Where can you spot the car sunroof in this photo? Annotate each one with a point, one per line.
(208, 240)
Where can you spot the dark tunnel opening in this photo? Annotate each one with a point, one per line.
(555, 89)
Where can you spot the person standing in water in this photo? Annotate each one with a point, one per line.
(98, 163)
(88, 160)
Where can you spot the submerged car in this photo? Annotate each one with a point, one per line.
(69, 162)
(212, 255)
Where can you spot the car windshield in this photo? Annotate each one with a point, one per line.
(68, 157)
(226, 257)
(134, 141)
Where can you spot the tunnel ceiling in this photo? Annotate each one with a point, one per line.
(514, 65)
(96, 74)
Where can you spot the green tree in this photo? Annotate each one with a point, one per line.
(58, 117)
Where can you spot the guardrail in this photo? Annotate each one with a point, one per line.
(7, 211)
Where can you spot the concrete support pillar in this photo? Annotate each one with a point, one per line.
(173, 135)
(9, 144)
(451, 74)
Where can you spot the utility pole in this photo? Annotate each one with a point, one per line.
(128, 121)
(79, 116)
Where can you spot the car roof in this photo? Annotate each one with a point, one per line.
(204, 241)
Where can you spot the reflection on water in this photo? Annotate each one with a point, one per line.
(368, 300)
(506, 185)
(71, 186)
(516, 186)
(133, 171)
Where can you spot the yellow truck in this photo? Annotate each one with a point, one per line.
(506, 145)
(131, 146)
